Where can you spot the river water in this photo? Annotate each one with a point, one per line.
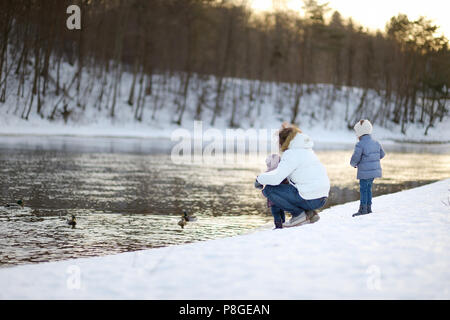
(128, 195)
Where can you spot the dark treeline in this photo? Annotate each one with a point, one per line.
(408, 65)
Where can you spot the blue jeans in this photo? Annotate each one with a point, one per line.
(285, 197)
(365, 190)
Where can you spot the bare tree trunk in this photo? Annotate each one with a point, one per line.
(141, 113)
(140, 94)
(185, 96)
(201, 99)
(431, 121)
(133, 83)
(296, 106)
(232, 122)
(48, 51)
(224, 65)
(218, 103)
(4, 47)
(358, 112)
(118, 57)
(58, 68)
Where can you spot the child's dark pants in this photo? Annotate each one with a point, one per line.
(365, 190)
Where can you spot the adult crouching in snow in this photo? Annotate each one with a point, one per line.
(308, 186)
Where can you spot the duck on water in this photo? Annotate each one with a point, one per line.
(185, 218)
(72, 221)
(15, 205)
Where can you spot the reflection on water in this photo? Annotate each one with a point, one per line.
(128, 195)
(400, 171)
(39, 235)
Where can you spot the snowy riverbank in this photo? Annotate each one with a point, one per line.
(108, 128)
(323, 119)
(401, 251)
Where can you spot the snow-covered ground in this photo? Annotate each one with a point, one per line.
(401, 251)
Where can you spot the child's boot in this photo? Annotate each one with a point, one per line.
(362, 210)
(369, 208)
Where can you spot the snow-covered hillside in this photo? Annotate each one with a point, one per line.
(323, 111)
(400, 251)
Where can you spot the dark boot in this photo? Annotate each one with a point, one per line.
(369, 208)
(362, 210)
(278, 225)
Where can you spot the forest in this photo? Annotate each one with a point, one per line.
(185, 57)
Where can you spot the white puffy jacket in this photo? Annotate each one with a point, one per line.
(303, 169)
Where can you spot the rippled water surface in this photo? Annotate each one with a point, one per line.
(127, 194)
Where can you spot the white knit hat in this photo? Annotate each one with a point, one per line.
(363, 127)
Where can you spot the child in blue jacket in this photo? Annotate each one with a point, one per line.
(366, 158)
